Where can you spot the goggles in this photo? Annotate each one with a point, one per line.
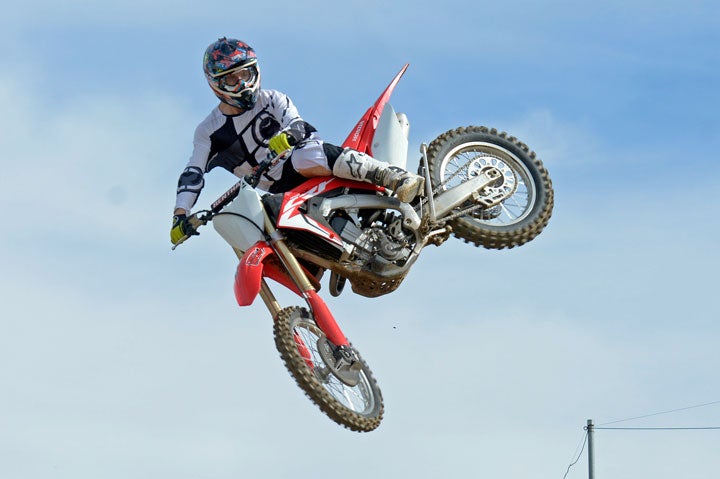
(237, 79)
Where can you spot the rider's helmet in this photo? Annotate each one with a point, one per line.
(231, 70)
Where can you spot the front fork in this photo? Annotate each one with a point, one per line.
(321, 313)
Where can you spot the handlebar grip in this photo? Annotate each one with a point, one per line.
(254, 178)
(196, 221)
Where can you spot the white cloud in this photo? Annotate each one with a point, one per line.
(121, 360)
(101, 168)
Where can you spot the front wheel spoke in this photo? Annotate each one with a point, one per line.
(360, 407)
(349, 399)
(341, 392)
(353, 398)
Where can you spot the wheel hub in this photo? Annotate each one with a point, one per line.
(504, 187)
(342, 361)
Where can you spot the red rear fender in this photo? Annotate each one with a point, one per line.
(360, 138)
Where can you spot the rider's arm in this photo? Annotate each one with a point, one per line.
(191, 180)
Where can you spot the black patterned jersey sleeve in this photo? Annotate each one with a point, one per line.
(192, 180)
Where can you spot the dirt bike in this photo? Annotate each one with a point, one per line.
(481, 185)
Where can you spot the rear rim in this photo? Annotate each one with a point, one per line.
(359, 399)
(470, 159)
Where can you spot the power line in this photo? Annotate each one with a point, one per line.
(659, 428)
(657, 414)
(578, 456)
(599, 426)
(591, 428)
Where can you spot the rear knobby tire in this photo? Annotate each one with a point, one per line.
(519, 218)
(359, 408)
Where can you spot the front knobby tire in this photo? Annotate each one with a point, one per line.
(359, 407)
(456, 155)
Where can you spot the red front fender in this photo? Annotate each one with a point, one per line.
(258, 261)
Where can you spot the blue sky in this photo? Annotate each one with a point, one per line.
(121, 359)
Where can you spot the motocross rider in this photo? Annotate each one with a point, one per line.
(250, 121)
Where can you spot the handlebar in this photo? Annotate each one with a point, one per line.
(196, 220)
(203, 217)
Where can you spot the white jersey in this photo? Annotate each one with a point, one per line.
(238, 143)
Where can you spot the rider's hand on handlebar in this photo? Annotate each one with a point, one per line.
(281, 142)
(181, 227)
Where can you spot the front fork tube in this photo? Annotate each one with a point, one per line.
(269, 299)
(321, 313)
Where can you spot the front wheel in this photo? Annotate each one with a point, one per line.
(459, 155)
(298, 339)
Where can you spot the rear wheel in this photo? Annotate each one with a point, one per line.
(459, 155)
(299, 339)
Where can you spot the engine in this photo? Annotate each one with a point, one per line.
(374, 248)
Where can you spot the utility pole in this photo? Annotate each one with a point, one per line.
(591, 449)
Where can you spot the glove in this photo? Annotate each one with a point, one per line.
(181, 227)
(280, 142)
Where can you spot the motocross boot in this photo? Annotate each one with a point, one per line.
(353, 165)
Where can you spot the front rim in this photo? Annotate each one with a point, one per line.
(470, 159)
(359, 399)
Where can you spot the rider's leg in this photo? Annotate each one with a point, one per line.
(353, 165)
(310, 159)
(320, 159)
